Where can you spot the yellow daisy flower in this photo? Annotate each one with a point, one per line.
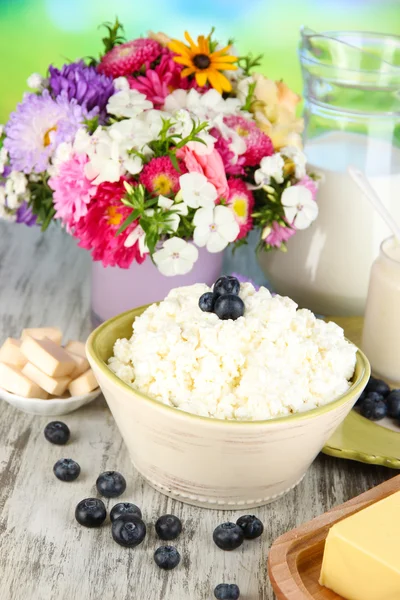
(204, 64)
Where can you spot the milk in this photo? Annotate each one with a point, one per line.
(381, 334)
(327, 266)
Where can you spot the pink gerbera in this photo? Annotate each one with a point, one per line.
(258, 144)
(159, 176)
(277, 234)
(73, 191)
(241, 201)
(97, 230)
(130, 57)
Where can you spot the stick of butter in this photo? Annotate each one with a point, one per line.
(82, 364)
(55, 386)
(53, 333)
(10, 353)
(76, 347)
(12, 380)
(48, 356)
(83, 384)
(362, 553)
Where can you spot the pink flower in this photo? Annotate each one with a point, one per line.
(258, 144)
(72, 190)
(210, 165)
(159, 82)
(232, 166)
(241, 202)
(127, 58)
(97, 230)
(310, 184)
(159, 176)
(277, 234)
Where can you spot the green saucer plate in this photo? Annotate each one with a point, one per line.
(358, 438)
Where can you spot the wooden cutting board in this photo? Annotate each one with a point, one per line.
(294, 561)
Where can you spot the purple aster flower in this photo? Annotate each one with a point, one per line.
(37, 127)
(25, 215)
(83, 84)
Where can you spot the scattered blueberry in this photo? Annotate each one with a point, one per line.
(90, 512)
(111, 484)
(227, 591)
(229, 306)
(393, 404)
(167, 557)
(128, 530)
(372, 409)
(379, 386)
(125, 508)
(226, 285)
(228, 536)
(251, 526)
(361, 398)
(168, 527)
(57, 432)
(66, 469)
(375, 397)
(207, 302)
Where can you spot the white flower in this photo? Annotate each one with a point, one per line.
(176, 257)
(270, 166)
(1, 129)
(6, 215)
(197, 191)
(243, 88)
(204, 106)
(36, 81)
(300, 208)
(16, 183)
(215, 228)
(298, 157)
(137, 235)
(128, 103)
(121, 84)
(62, 154)
(179, 209)
(3, 159)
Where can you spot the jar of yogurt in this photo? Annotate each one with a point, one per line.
(381, 335)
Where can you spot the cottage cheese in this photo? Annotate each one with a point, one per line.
(273, 361)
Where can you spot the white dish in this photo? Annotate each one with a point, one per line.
(48, 408)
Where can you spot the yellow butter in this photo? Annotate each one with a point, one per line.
(362, 553)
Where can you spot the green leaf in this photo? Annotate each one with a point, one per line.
(249, 62)
(115, 35)
(174, 161)
(249, 97)
(128, 221)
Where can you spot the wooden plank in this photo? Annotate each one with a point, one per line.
(44, 554)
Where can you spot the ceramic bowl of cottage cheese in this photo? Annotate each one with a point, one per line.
(225, 413)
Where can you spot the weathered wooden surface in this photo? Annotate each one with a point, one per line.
(44, 554)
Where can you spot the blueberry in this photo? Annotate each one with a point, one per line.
(373, 409)
(229, 306)
(111, 484)
(168, 527)
(167, 557)
(128, 530)
(393, 404)
(361, 398)
(207, 302)
(251, 526)
(379, 386)
(66, 469)
(90, 512)
(226, 285)
(228, 536)
(227, 591)
(125, 508)
(57, 432)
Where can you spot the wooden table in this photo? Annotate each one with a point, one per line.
(44, 553)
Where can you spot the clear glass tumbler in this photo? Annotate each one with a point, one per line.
(352, 117)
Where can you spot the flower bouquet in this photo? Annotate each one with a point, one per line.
(157, 148)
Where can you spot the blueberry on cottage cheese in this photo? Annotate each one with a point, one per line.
(226, 285)
(207, 301)
(167, 557)
(227, 591)
(111, 484)
(229, 306)
(168, 527)
(125, 508)
(228, 536)
(128, 530)
(66, 469)
(252, 526)
(393, 404)
(90, 512)
(57, 432)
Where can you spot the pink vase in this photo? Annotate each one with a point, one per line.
(116, 290)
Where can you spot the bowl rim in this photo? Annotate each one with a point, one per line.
(362, 370)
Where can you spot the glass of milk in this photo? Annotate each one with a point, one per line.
(381, 334)
(352, 117)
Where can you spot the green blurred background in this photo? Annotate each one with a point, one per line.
(35, 33)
